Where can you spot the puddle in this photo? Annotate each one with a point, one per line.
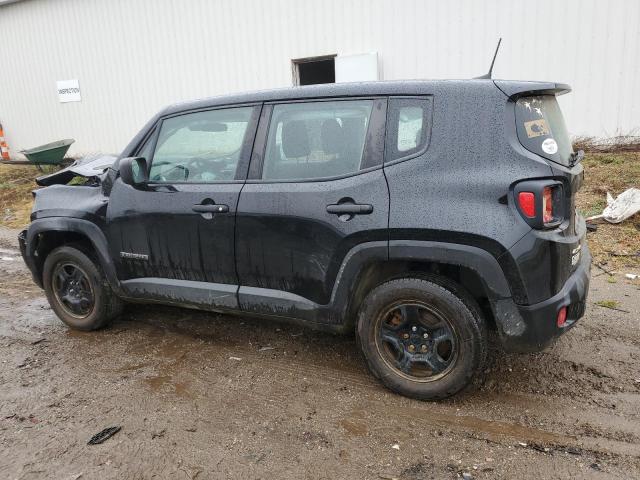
(164, 384)
(355, 429)
(494, 429)
(9, 255)
(157, 383)
(91, 337)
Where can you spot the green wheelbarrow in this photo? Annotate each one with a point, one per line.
(50, 154)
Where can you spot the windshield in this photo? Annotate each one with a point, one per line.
(541, 129)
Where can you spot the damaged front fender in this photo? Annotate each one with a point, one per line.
(80, 201)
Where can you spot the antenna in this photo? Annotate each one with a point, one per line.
(488, 75)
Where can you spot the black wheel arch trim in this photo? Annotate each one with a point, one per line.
(90, 230)
(474, 258)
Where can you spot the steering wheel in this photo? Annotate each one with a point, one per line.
(202, 165)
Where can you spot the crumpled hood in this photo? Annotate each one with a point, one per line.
(91, 166)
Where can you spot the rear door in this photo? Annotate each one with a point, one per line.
(316, 189)
(174, 238)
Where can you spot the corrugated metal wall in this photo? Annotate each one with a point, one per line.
(134, 56)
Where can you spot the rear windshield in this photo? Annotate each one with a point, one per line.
(541, 129)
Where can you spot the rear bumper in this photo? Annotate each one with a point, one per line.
(534, 327)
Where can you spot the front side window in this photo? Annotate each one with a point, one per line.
(408, 127)
(200, 147)
(316, 139)
(147, 148)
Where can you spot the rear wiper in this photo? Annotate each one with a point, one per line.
(576, 157)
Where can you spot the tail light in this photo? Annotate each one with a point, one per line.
(561, 320)
(547, 205)
(527, 203)
(540, 202)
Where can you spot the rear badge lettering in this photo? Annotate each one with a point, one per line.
(575, 255)
(549, 146)
(134, 256)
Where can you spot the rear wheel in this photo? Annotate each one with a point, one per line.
(421, 339)
(77, 290)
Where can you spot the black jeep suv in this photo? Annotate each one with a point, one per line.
(423, 214)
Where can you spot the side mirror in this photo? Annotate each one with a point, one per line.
(133, 171)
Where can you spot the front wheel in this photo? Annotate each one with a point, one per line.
(77, 290)
(421, 339)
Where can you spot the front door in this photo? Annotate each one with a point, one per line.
(315, 190)
(174, 238)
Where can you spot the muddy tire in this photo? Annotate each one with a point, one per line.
(77, 289)
(420, 339)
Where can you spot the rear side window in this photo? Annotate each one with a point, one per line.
(541, 129)
(316, 139)
(408, 127)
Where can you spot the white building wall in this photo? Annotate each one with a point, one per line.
(132, 57)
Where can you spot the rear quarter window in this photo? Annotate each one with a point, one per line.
(541, 129)
(409, 127)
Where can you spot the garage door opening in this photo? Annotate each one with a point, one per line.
(314, 70)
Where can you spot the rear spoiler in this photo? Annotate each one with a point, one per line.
(515, 88)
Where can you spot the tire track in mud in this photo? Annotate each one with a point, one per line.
(143, 349)
(399, 410)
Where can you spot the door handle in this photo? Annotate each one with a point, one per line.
(210, 208)
(350, 209)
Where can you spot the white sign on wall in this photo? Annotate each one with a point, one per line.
(357, 68)
(68, 91)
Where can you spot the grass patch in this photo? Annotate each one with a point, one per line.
(608, 303)
(16, 184)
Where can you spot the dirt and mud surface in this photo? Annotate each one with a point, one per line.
(201, 395)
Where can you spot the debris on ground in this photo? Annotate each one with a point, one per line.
(619, 209)
(611, 304)
(237, 359)
(103, 435)
(605, 270)
(631, 276)
(264, 349)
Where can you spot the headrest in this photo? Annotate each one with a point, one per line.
(332, 136)
(295, 139)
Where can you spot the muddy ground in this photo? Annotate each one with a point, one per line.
(208, 396)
